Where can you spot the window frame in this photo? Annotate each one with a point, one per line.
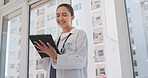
(6, 10)
(124, 40)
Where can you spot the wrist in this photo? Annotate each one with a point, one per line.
(55, 57)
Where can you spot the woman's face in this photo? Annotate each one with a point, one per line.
(63, 17)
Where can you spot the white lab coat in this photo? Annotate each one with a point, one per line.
(73, 63)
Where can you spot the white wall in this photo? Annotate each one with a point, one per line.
(112, 53)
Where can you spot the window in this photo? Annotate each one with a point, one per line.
(102, 71)
(42, 75)
(136, 73)
(135, 63)
(11, 43)
(131, 30)
(101, 53)
(129, 20)
(138, 35)
(132, 40)
(42, 21)
(128, 10)
(133, 52)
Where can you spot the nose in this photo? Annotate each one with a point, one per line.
(60, 17)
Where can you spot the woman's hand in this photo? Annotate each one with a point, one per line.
(48, 49)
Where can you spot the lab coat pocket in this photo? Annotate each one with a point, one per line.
(70, 47)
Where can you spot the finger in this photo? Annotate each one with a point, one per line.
(37, 47)
(44, 45)
(38, 44)
(48, 44)
(40, 51)
(51, 48)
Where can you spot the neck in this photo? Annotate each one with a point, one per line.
(65, 30)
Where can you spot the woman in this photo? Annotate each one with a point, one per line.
(72, 44)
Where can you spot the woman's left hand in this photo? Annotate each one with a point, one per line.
(46, 48)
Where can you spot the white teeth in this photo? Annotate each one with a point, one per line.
(61, 22)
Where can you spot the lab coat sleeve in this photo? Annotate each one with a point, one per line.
(45, 63)
(78, 59)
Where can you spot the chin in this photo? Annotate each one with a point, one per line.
(61, 25)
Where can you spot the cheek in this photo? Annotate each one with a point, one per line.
(68, 20)
(57, 21)
(57, 18)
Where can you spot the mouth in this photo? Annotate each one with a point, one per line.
(61, 22)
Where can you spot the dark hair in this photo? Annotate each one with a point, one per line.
(68, 6)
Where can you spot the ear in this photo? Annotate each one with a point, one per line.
(72, 18)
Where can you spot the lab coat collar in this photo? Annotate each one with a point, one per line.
(64, 35)
(73, 30)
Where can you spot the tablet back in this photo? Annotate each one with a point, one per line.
(45, 38)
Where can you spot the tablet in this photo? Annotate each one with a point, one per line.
(45, 38)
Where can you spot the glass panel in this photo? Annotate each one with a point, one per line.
(98, 37)
(103, 51)
(11, 40)
(96, 28)
(137, 14)
(42, 21)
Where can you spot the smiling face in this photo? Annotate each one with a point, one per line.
(63, 17)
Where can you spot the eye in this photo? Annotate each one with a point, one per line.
(64, 14)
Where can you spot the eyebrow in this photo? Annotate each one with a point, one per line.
(62, 13)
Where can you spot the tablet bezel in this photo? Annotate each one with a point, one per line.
(45, 38)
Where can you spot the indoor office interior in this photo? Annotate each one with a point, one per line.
(117, 32)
